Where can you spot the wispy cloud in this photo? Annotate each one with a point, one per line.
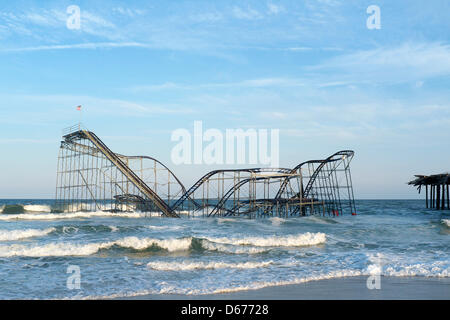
(27, 141)
(93, 105)
(88, 45)
(407, 62)
(250, 83)
(129, 12)
(37, 21)
(246, 13)
(275, 9)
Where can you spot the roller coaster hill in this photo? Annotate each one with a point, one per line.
(91, 177)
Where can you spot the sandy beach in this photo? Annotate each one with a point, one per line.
(352, 288)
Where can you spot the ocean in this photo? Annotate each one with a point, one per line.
(95, 255)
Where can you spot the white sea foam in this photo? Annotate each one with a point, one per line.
(144, 243)
(419, 270)
(114, 228)
(321, 219)
(31, 208)
(183, 212)
(305, 239)
(74, 249)
(225, 220)
(37, 208)
(437, 269)
(69, 229)
(50, 250)
(264, 284)
(165, 227)
(12, 235)
(190, 265)
(213, 246)
(277, 221)
(446, 222)
(169, 289)
(74, 215)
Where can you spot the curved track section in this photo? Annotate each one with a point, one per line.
(219, 177)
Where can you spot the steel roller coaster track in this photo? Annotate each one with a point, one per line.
(91, 177)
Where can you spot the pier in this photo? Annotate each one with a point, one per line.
(436, 190)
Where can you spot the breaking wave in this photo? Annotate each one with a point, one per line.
(74, 215)
(436, 269)
(305, 239)
(277, 221)
(13, 235)
(264, 284)
(226, 248)
(233, 246)
(446, 222)
(186, 265)
(165, 227)
(73, 249)
(170, 289)
(20, 208)
(431, 271)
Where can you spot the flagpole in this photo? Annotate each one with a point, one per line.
(79, 123)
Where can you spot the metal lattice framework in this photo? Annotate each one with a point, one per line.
(91, 177)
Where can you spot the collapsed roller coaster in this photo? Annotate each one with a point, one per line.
(91, 177)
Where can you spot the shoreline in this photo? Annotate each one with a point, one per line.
(347, 288)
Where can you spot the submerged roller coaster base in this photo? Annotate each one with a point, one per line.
(91, 177)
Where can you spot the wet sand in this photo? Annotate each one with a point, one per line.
(352, 288)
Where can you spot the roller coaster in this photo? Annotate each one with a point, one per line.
(91, 177)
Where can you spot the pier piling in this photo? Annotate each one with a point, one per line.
(439, 190)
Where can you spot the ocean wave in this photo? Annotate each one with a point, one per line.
(277, 221)
(225, 220)
(37, 208)
(74, 215)
(23, 208)
(256, 285)
(233, 249)
(390, 265)
(13, 235)
(74, 229)
(187, 265)
(233, 246)
(165, 227)
(74, 249)
(263, 284)
(305, 239)
(113, 228)
(446, 222)
(436, 269)
(321, 219)
(170, 289)
(433, 270)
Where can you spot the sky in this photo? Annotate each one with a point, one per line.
(312, 69)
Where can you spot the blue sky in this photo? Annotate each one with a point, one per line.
(312, 69)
